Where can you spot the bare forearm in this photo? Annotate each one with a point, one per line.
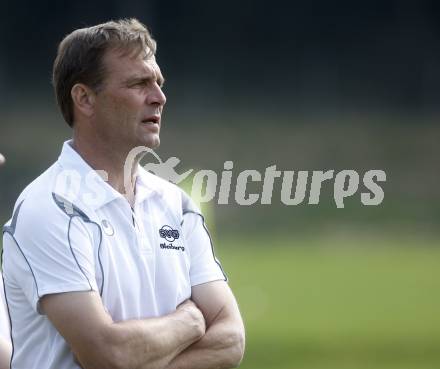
(146, 343)
(222, 346)
(153, 343)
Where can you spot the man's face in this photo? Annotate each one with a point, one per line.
(129, 106)
(2, 159)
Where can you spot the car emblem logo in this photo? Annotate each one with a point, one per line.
(169, 233)
(107, 227)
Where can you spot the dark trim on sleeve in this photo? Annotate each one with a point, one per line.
(76, 213)
(210, 239)
(99, 256)
(72, 211)
(27, 262)
(73, 254)
(69, 208)
(11, 228)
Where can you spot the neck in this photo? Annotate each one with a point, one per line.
(102, 156)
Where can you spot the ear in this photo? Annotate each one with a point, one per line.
(83, 99)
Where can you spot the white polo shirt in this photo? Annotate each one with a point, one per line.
(71, 231)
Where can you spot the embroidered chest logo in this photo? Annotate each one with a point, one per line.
(170, 235)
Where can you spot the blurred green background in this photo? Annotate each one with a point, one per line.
(323, 303)
(303, 86)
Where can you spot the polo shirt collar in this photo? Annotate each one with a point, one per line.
(93, 190)
(146, 185)
(86, 185)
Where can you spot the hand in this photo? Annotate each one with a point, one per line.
(194, 314)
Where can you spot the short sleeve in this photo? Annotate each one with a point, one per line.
(205, 267)
(48, 253)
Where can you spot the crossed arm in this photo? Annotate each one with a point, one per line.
(222, 345)
(207, 335)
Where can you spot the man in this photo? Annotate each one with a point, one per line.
(5, 344)
(116, 273)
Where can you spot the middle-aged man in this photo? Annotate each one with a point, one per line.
(98, 275)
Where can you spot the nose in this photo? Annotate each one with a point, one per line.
(157, 96)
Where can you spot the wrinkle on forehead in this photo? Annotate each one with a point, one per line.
(150, 68)
(153, 67)
(145, 65)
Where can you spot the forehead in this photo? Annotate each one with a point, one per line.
(120, 67)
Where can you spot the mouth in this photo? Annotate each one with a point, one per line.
(154, 119)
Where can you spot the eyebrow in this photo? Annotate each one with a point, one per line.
(141, 78)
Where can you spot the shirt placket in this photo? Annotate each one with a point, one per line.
(142, 241)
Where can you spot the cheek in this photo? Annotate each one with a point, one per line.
(122, 108)
(132, 103)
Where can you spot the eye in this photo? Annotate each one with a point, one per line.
(138, 84)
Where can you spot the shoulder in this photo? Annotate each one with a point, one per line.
(40, 207)
(169, 195)
(164, 190)
(156, 183)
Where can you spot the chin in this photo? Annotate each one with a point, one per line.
(151, 143)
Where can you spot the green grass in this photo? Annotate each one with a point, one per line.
(350, 302)
(339, 303)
